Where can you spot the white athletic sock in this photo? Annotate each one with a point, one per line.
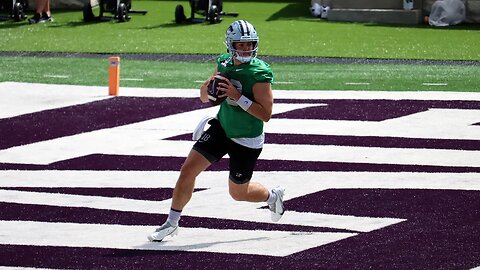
(174, 216)
(272, 197)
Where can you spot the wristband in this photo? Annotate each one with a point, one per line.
(244, 102)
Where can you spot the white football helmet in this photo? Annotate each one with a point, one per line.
(241, 31)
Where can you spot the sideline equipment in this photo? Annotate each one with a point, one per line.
(119, 8)
(15, 8)
(212, 10)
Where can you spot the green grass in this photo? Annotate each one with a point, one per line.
(82, 71)
(285, 28)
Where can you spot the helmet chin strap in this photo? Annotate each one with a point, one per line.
(243, 59)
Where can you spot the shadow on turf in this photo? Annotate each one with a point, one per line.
(193, 247)
(425, 26)
(294, 11)
(421, 26)
(76, 23)
(173, 24)
(7, 25)
(301, 11)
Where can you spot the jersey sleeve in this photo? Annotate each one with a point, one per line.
(222, 62)
(264, 73)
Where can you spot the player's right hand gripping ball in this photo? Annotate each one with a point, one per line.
(213, 92)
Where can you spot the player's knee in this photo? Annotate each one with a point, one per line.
(185, 176)
(186, 180)
(186, 173)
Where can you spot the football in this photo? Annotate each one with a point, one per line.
(213, 91)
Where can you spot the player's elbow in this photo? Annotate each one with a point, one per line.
(267, 117)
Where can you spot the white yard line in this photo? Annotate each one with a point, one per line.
(357, 83)
(434, 84)
(192, 239)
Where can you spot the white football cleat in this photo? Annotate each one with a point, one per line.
(276, 208)
(163, 231)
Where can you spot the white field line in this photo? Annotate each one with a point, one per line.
(131, 79)
(37, 97)
(434, 84)
(357, 83)
(56, 76)
(208, 179)
(190, 239)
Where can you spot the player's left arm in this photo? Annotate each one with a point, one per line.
(262, 107)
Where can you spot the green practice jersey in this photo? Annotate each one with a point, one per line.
(236, 122)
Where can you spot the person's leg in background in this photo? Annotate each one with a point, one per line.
(42, 12)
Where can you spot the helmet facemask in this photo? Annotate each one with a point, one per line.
(244, 56)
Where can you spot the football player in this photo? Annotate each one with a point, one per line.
(237, 129)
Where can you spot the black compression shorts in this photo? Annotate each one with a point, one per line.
(214, 144)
